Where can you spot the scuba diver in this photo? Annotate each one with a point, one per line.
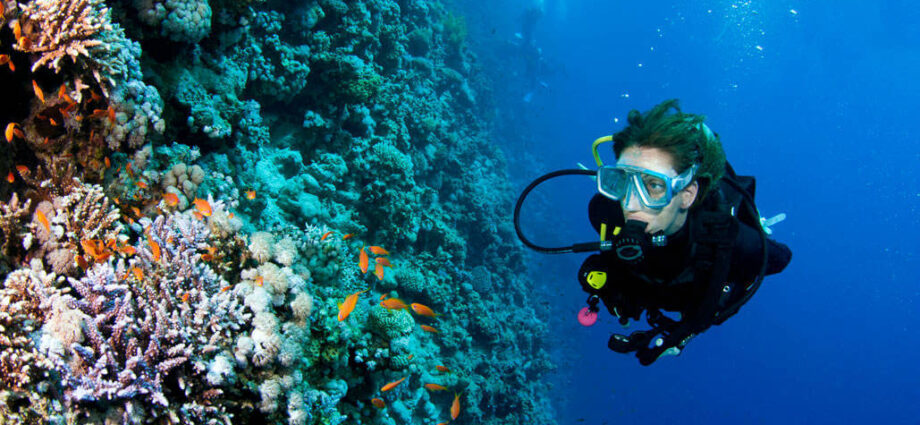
(680, 236)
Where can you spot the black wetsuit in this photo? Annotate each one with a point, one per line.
(666, 279)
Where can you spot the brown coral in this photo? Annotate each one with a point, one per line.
(21, 364)
(11, 215)
(59, 28)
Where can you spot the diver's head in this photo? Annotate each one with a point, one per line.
(666, 145)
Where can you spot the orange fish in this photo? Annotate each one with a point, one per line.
(260, 280)
(225, 288)
(427, 328)
(17, 29)
(391, 385)
(325, 235)
(171, 199)
(185, 297)
(128, 169)
(204, 207)
(141, 184)
(250, 194)
(95, 249)
(346, 307)
(423, 310)
(435, 387)
(137, 212)
(198, 215)
(127, 250)
(12, 130)
(62, 94)
(455, 407)
(393, 304)
(4, 58)
(154, 249)
(53, 122)
(362, 260)
(25, 43)
(108, 162)
(81, 262)
(138, 273)
(383, 296)
(38, 91)
(378, 271)
(441, 368)
(40, 216)
(379, 251)
(22, 169)
(443, 423)
(378, 403)
(111, 114)
(382, 261)
(346, 236)
(10, 178)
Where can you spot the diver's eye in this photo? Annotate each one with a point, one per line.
(654, 186)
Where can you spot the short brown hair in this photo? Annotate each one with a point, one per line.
(681, 135)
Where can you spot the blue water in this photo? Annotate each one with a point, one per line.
(818, 101)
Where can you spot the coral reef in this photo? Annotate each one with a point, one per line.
(298, 211)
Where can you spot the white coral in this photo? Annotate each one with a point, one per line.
(260, 245)
(301, 307)
(286, 252)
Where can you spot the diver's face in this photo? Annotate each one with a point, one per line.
(671, 217)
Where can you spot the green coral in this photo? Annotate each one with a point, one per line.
(454, 30)
(391, 323)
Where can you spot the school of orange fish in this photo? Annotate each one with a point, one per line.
(347, 306)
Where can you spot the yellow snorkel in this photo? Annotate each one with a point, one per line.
(597, 157)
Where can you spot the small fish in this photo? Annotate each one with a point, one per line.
(382, 261)
(62, 94)
(250, 194)
(17, 29)
(455, 407)
(225, 288)
(81, 262)
(108, 162)
(260, 280)
(137, 212)
(25, 43)
(128, 169)
(204, 207)
(348, 306)
(435, 387)
(230, 215)
(379, 251)
(127, 250)
(111, 114)
(154, 249)
(391, 385)
(185, 297)
(10, 178)
(384, 296)
(22, 169)
(171, 199)
(345, 237)
(40, 216)
(13, 130)
(138, 273)
(423, 310)
(362, 260)
(141, 184)
(53, 122)
(427, 328)
(378, 271)
(96, 249)
(198, 215)
(443, 423)
(325, 235)
(378, 403)
(4, 59)
(38, 92)
(442, 368)
(393, 304)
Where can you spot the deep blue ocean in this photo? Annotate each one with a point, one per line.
(818, 100)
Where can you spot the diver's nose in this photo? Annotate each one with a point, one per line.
(631, 202)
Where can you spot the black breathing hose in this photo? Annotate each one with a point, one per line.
(579, 247)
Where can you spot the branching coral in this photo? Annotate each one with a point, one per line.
(11, 214)
(59, 28)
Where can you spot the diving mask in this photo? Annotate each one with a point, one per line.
(654, 189)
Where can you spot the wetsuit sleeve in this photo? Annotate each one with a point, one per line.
(747, 255)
